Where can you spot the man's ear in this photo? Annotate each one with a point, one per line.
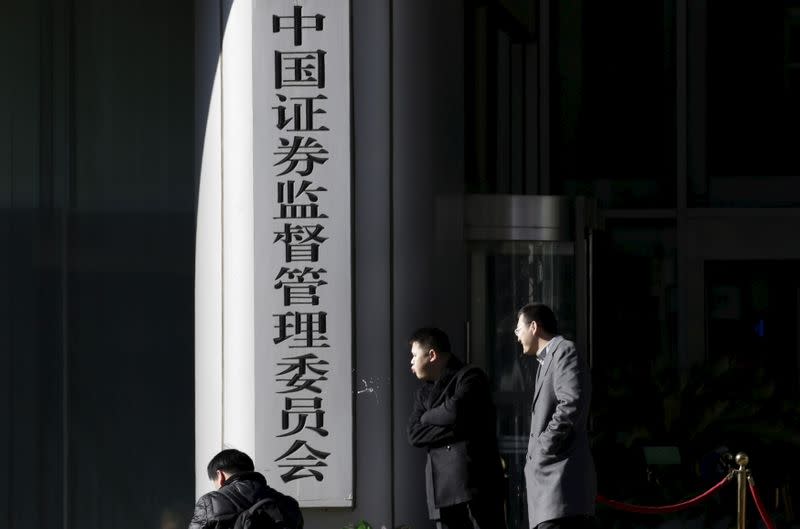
(433, 355)
(220, 478)
(535, 328)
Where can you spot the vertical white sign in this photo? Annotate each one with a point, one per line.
(302, 218)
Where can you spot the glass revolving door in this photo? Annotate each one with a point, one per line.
(522, 249)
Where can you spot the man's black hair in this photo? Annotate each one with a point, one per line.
(431, 338)
(230, 461)
(542, 315)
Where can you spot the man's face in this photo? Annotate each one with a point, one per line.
(420, 361)
(526, 335)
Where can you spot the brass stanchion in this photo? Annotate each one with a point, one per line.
(742, 460)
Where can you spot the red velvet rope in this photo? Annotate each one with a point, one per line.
(642, 509)
(760, 505)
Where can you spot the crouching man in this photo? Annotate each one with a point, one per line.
(242, 497)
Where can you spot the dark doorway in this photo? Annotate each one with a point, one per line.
(752, 333)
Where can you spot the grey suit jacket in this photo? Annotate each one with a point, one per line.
(559, 471)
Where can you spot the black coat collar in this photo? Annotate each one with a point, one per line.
(246, 476)
(452, 367)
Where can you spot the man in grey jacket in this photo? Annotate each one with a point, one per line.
(559, 471)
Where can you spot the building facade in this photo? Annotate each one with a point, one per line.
(632, 165)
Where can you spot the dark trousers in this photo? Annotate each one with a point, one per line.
(570, 522)
(475, 514)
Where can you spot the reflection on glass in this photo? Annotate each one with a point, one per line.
(505, 275)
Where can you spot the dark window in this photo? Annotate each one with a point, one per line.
(753, 104)
(612, 117)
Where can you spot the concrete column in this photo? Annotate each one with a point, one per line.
(224, 325)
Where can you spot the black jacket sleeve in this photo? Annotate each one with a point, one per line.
(200, 517)
(471, 392)
(425, 435)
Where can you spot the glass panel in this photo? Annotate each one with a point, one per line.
(635, 353)
(635, 272)
(498, 96)
(506, 275)
(753, 97)
(753, 116)
(613, 102)
(752, 316)
(751, 372)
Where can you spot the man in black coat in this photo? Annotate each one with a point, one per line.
(454, 419)
(239, 488)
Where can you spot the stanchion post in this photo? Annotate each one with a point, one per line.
(742, 460)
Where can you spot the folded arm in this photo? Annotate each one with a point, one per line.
(426, 435)
(471, 391)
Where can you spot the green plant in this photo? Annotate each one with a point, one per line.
(359, 525)
(364, 525)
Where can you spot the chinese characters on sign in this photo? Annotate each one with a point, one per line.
(301, 155)
(302, 168)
